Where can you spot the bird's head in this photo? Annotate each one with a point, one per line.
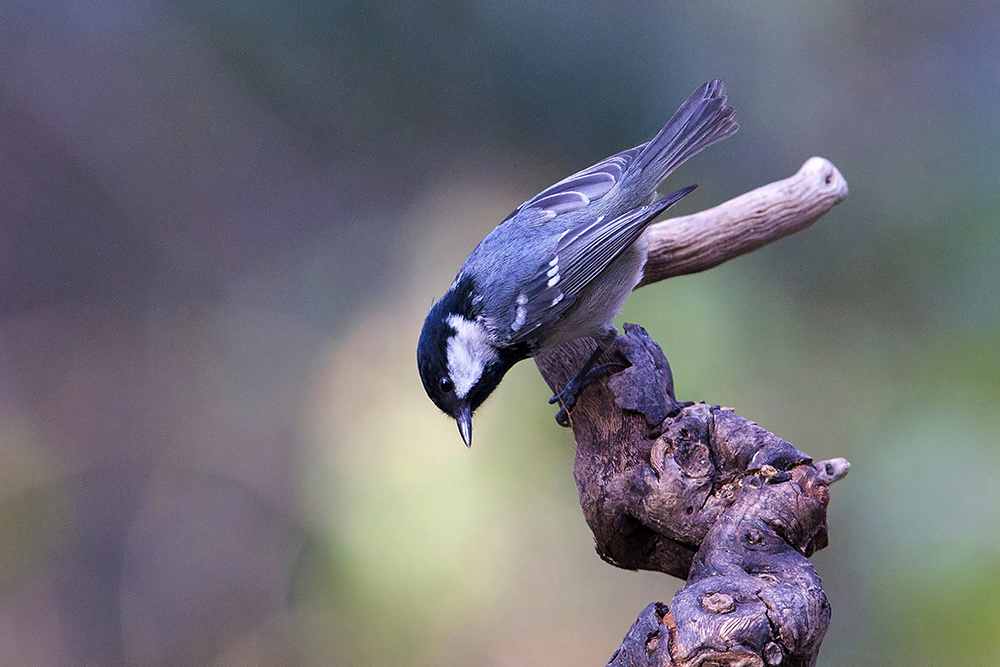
(458, 362)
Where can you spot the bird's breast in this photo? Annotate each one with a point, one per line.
(595, 308)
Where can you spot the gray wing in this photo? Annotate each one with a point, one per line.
(582, 254)
(701, 121)
(583, 187)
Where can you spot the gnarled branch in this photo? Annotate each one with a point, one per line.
(697, 491)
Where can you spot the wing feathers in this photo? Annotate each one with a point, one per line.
(702, 120)
(561, 202)
(592, 183)
(582, 255)
(586, 250)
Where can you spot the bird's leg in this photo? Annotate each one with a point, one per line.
(587, 374)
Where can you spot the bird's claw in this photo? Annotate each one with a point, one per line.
(567, 397)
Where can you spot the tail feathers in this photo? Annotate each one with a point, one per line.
(701, 121)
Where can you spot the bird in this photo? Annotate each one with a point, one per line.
(559, 267)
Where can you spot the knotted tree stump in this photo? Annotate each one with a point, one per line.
(695, 490)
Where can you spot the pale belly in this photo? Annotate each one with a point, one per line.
(596, 307)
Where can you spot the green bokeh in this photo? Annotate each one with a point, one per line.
(223, 223)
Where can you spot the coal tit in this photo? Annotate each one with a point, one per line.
(559, 267)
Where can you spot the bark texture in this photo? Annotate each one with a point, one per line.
(693, 243)
(695, 490)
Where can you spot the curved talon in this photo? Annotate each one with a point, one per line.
(567, 397)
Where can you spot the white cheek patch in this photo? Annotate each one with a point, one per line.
(469, 352)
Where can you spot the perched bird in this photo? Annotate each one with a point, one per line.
(559, 267)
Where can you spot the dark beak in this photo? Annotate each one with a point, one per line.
(464, 420)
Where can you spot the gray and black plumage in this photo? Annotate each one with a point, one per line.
(560, 266)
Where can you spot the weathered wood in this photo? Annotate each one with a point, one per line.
(701, 493)
(695, 490)
(693, 243)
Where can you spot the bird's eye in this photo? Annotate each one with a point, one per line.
(447, 386)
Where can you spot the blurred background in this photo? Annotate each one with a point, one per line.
(221, 226)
